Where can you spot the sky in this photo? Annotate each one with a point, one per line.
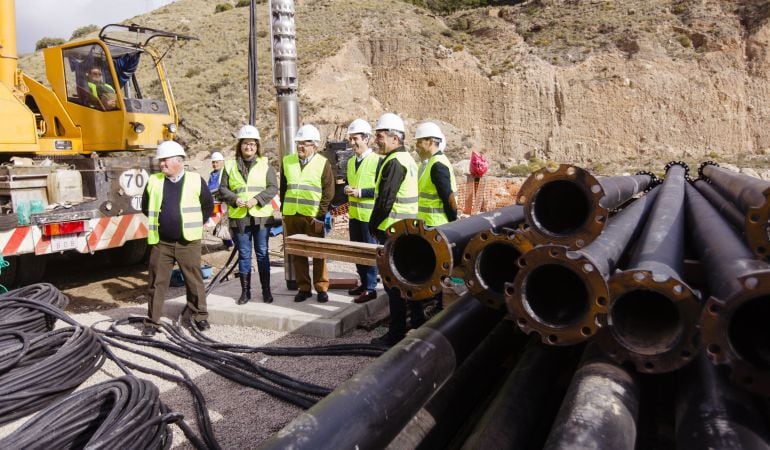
(36, 19)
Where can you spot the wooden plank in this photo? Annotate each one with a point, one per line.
(336, 249)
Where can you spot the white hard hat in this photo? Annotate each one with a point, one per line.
(216, 156)
(167, 149)
(359, 126)
(389, 121)
(308, 133)
(427, 130)
(248, 132)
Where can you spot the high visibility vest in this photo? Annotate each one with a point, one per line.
(363, 178)
(430, 207)
(303, 185)
(94, 88)
(405, 206)
(189, 206)
(257, 182)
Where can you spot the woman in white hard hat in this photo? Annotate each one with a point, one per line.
(248, 186)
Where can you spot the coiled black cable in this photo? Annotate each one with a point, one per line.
(124, 412)
(37, 372)
(21, 318)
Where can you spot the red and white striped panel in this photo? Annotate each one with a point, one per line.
(100, 234)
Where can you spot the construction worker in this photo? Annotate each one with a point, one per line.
(176, 202)
(436, 182)
(217, 165)
(395, 199)
(248, 186)
(361, 178)
(102, 95)
(307, 189)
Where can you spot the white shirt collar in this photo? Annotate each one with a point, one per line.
(363, 155)
(176, 178)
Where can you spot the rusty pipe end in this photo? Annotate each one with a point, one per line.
(735, 332)
(415, 259)
(757, 226)
(490, 261)
(561, 206)
(558, 294)
(652, 322)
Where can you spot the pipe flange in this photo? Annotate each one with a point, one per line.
(683, 164)
(757, 225)
(575, 231)
(735, 332)
(559, 294)
(490, 261)
(415, 259)
(654, 179)
(668, 304)
(702, 166)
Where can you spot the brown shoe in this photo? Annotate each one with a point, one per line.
(365, 297)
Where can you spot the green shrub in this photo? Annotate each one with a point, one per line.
(684, 40)
(48, 42)
(82, 31)
(242, 3)
(519, 170)
(193, 71)
(223, 7)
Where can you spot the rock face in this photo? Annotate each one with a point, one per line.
(667, 80)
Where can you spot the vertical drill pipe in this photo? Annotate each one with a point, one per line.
(520, 408)
(371, 408)
(490, 262)
(416, 258)
(752, 198)
(437, 423)
(599, 411)
(720, 203)
(734, 327)
(653, 314)
(713, 413)
(563, 295)
(568, 206)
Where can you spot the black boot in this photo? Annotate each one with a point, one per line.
(245, 288)
(264, 280)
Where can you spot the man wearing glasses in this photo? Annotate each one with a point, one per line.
(102, 95)
(307, 189)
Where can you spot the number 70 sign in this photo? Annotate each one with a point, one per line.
(133, 181)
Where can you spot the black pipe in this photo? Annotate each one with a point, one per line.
(653, 314)
(750, 196)
(563, 295)
(521, 412)
(490, 262)
(599, 411)
(417, 258)
(734, 326)
(371, 408)
(436, 424)
(721, 204)
(712, 413)
(568, 206)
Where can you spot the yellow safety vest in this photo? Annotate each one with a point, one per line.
(363, 178)
(257, 182)
(430, 207)
(189, 206)
(405, 206)
(303, 185)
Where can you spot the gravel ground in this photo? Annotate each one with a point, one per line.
(242, 417)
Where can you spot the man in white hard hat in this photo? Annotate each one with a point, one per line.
(436, 181)
(396, 199)
(217, 163)
(176, 203)
(361, 178)
(307, 189)
(215, 177)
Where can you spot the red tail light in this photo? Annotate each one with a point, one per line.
(56, 229)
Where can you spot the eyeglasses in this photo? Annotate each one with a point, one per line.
(95, 72)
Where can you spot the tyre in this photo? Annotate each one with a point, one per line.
(132, 252)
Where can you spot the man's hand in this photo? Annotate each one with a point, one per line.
(353, 192)
(251, 203)
(318, 227)
(209, 224)
(240, 203)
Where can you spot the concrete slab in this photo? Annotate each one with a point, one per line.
(332, 319)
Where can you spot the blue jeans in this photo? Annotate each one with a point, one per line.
(398, 305)
(258, 235)
(359, 232)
